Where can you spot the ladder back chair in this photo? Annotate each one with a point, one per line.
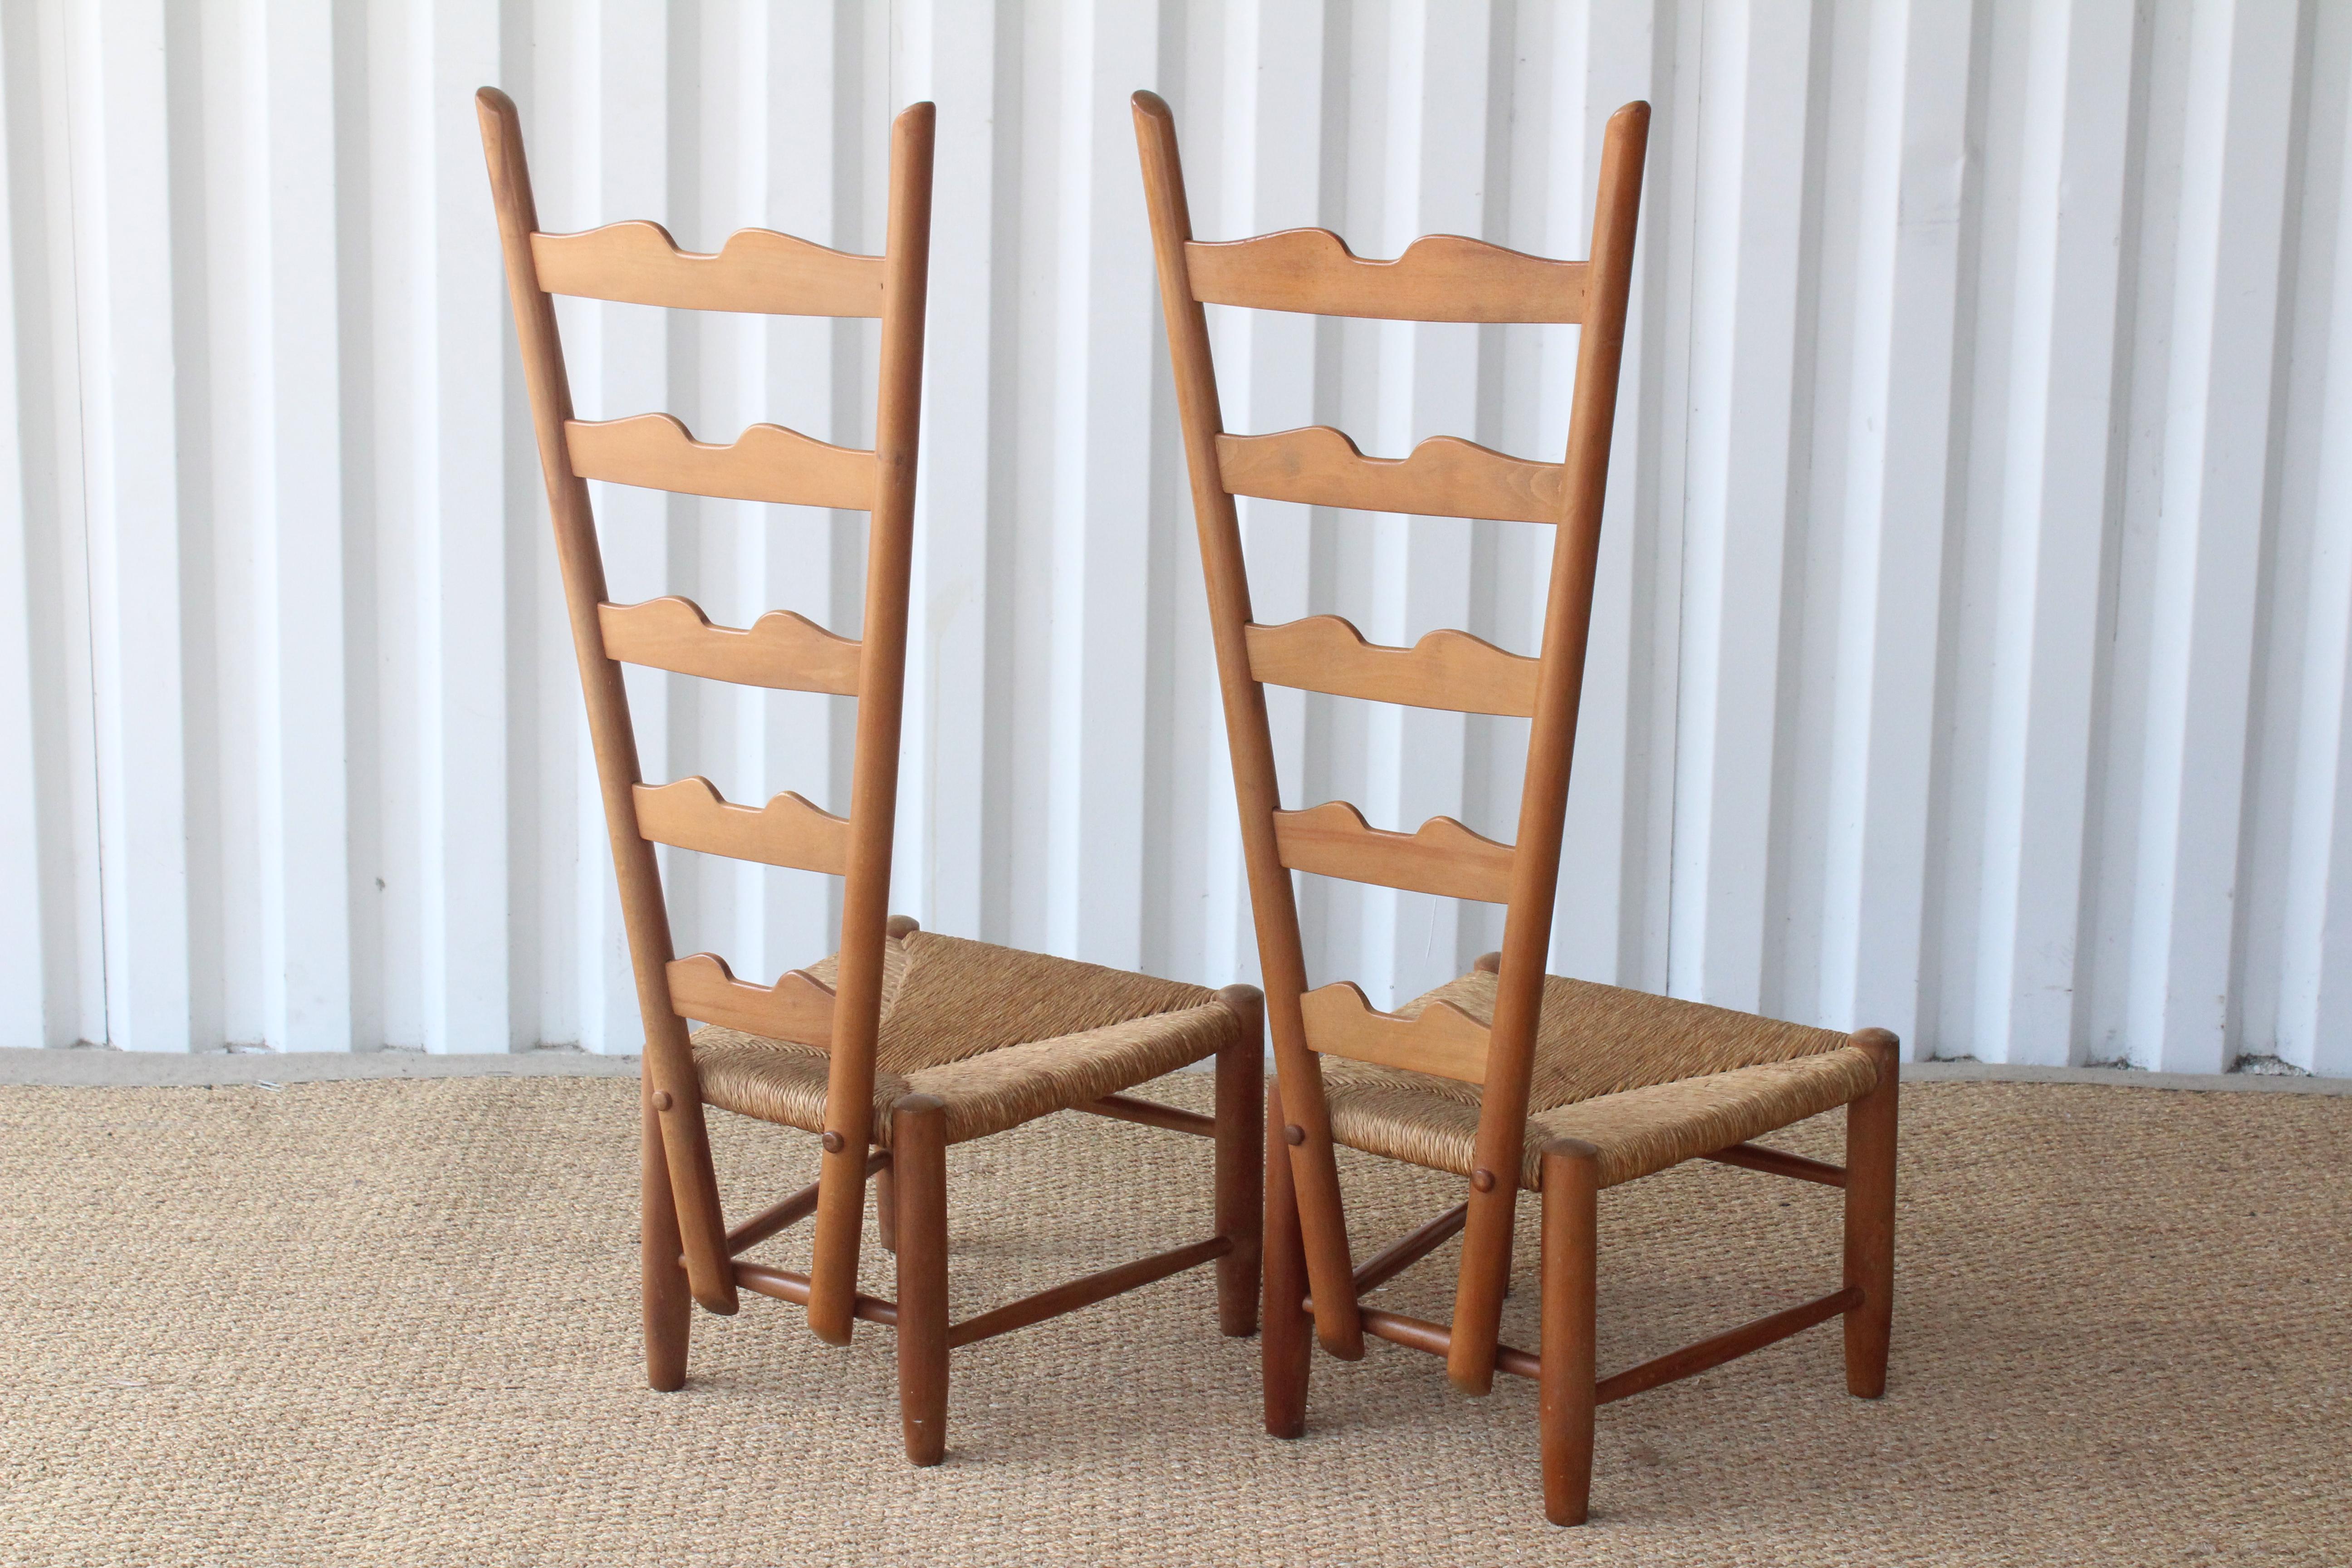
(1507, 1076)
(904, 1042)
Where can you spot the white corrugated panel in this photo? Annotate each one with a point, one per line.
(1975, 629)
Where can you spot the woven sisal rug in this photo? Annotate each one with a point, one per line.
(393, 1322)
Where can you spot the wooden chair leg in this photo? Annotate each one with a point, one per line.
(1241, 1161)
(885, 1208)
(669, 1305)
(1571, 1202)
(920, 1171)
(1870, 1136)
(1285, 1353)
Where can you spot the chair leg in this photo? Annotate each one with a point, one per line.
(1870, 1135)
(919, 1169)
(886, 1209)
(1571, 1204)
(1240, 1174)
(669, 1305)
(1285, 1353)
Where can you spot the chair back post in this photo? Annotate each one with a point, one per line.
(881, 688)
(1486, 1266)
(671, 1081)
(1281, 957)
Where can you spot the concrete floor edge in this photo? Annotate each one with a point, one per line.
(86, 1067)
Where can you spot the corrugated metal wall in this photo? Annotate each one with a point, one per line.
(1975, 612)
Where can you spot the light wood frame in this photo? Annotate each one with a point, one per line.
(1308, 1267)
(688, 1253)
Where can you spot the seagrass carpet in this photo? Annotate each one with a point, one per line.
(393, 1323)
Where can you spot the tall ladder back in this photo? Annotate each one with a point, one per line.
(765, 272)
(1440, 277)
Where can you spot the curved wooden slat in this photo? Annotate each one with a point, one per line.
(1443, 856)
(788, 831)
(798, 1007)
(780, 650)
(1444, 1039)
(1440, 277)
(757, 270)
(767, 462)
(1444, 477)
(1447, 668)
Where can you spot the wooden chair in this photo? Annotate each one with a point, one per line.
(1508, 1077)
(904, 1042)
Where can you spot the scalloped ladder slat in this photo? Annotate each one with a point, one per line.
(788, 831)
(1448, 670)
(757, 270)
(781, 650)
(798, 1007)
(1444, 1039)
(767, 462)
(1440, 277)
(1441, 856)
(1444, 477)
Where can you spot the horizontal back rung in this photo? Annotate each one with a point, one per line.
(781, 650)
(787, 831)
(1444, 477)
(798, 1007)
(1440, 277)
(757, 270)
(1444, 1039)
(767, 462)
(1448, 670)
(1443, 856)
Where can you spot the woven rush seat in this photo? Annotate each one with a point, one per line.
(1649, 1081)
(1002, 1037)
